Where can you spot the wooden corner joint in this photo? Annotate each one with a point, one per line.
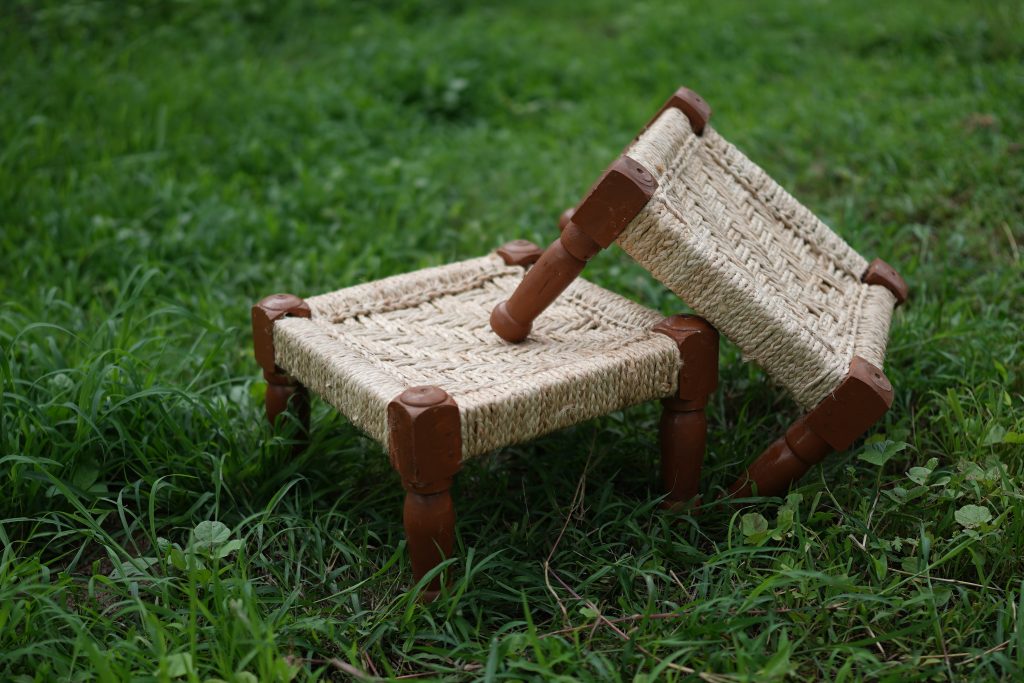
(881, 273)
(690, 104)
(621, 192)
(264, 314)
(519, 253)
(859, 401)
(425, 439)
(697, 341)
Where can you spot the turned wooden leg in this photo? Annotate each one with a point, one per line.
(280, 396)
(613, 201)
(782, 463)
(683, 437)
(281, 389)
(430, 533)
(683, 428)
(425, 444)
(617, 197)
(841, 418)
(859, 401)
(561, 263)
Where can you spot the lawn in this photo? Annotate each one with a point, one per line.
(165, 164)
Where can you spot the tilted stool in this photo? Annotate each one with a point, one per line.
(412, 361)
(755, 263)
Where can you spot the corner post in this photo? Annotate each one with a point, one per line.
(683, 428)
(882, 274)
(615, 200)
(425, 445)
(519, 253)
(691, 104)
(859, 401)
(281, 388)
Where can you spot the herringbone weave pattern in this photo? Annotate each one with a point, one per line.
(591, 354)
(752, 260)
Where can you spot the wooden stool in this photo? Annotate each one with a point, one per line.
(412, 361)
(749, 258)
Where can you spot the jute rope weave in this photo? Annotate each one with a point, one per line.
(746, 255)
(592, 353)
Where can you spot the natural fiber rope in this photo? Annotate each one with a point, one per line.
(746, 255)
(591, 353)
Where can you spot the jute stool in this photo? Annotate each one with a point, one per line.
(412, 361)
(755, 263)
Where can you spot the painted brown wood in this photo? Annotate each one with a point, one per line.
(683, 428)
(425, 445)
(692, 105)
(682, 436)
(280, 397)
(519, 253)
(430, 534)
(841, 418)
(282, 389)
(512, 320)
(782, 463)
(617, 197)
(881, 273)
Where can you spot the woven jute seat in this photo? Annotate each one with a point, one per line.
(412, 361)
(594, 353)
(756, 263)
(743, 253)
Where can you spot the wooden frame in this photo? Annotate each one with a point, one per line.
(424, 426)
(281, 389)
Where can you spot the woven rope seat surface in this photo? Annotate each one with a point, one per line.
(593, 352)
(746, 255)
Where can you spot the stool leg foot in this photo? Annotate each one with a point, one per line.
(430, 533)
(683, 436)
(782, 463)
(683, 429)
(278, 399)
(614, 200)
(425, 442)
(860, 400)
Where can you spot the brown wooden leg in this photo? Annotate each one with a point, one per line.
(683, 437)
(280, 396)
(617, 197)
(430, 534)
(281, 389)
(833, 425)
(425, 443)
(782, 463)
(613, 201)
(561, 263)
(683, 428)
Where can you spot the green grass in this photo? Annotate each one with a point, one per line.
(163, 165)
